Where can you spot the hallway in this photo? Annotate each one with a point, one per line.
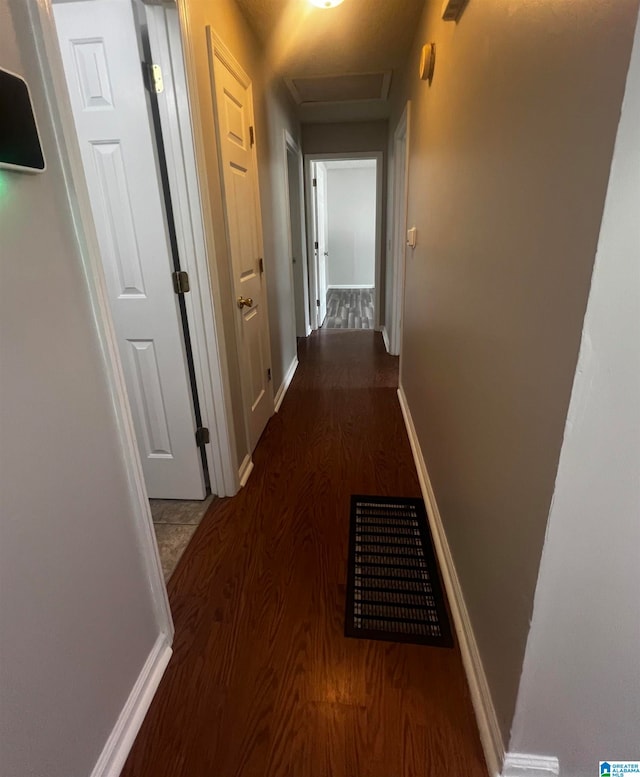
(262, 682)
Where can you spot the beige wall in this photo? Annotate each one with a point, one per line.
(510, 152)
(77, 617)
(345, 138)
(273, 113)
(579, 695)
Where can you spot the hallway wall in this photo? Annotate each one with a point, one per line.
(274, 112)
(351, 220)
(510, 154)
(579, 696)
(77, 615)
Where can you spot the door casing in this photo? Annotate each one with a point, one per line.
(309, 160)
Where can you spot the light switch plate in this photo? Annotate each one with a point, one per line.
(412, 237)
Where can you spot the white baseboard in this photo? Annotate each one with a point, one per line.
(487, 720)
(285, 384)
(121, 739)
(351, 286)
(385, 337)
(246, 468)
(522, 765)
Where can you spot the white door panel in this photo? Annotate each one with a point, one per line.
(240, 183)
(102, 64)
(323, 242)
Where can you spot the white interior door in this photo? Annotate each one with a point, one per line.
(104, 75)
(323, 240)
(297, 255)
(234, 115)
(401, 167)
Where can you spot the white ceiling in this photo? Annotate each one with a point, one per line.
(357, 37)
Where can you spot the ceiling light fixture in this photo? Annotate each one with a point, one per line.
(326, 3)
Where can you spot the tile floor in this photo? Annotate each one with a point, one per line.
(175, 522)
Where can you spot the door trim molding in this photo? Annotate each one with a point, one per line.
(280, 395)
(180, 150)
(490, 734)
(523, 765)
(309, 159)
(115, 752)
(55, 89)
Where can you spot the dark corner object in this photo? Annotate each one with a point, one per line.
(20, 147)
(393, 587)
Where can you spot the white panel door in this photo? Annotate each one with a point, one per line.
(104, 75)
(234, 115)
(323, 240)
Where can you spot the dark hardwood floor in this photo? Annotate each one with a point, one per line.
(262, 682)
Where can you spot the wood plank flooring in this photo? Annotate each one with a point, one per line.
(350, 309)
(262, 682)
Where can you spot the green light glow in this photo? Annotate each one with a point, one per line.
(4, 185)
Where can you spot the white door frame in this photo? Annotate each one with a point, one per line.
(180, 152)
(55, 89)
(309, 159)
(399, 228)
(290, 146)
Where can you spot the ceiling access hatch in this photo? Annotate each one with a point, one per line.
(353, 87)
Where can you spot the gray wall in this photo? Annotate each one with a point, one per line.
(579, 697)
(345, 138)
(76, 614)
(510, 155)
(351, 221)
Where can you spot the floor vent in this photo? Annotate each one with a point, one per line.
(393, 587)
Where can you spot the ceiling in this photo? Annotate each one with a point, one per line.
(358, 44)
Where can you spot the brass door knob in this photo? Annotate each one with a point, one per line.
(245, 302)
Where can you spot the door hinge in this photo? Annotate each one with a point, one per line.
(154, 78)
(202, 436)
(252, 136)
(269, 373)
(317, 303)
(316, 246)
(180, 282)
(315, 181)
(261, 264)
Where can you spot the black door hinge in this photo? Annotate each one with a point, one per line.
(315, 181)
(202, 436)
(252, 136)
(316, 246)
(318, 303)
(261, 264)
(269, 373)
(180, 282)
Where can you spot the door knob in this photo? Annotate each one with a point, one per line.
(245, 302)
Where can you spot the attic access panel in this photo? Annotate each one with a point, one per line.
(353, 87)
(20, 147)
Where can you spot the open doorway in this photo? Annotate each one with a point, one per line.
(297, 243)
(104, 45)
(344, 229)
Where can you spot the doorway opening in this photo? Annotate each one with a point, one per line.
(344, 218)
(135, 185)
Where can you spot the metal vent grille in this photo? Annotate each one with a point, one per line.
(393, 589)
